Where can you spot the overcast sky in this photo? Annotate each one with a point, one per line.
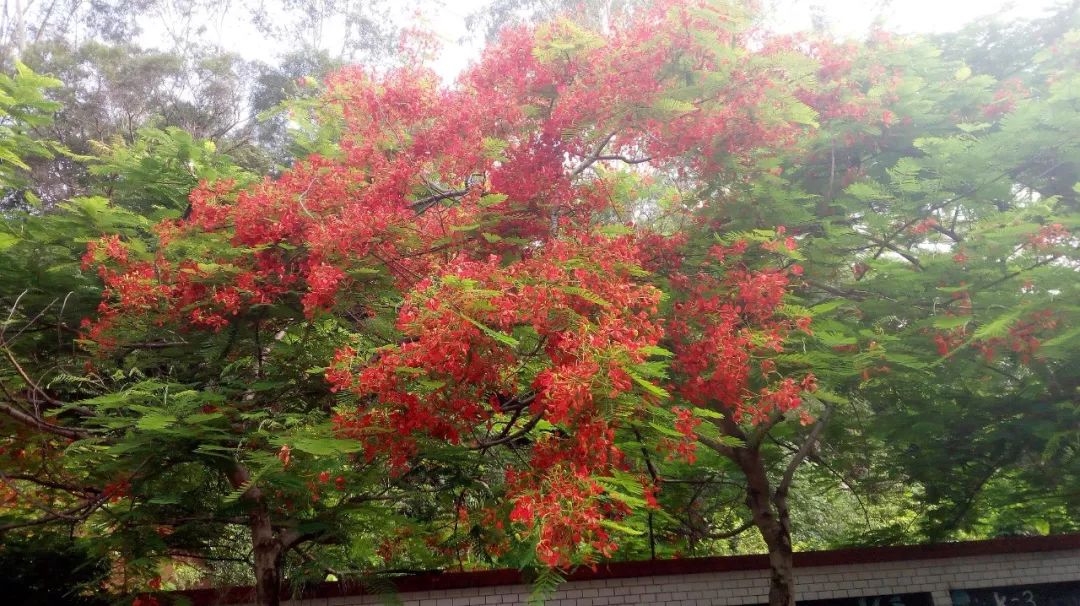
(447, 21)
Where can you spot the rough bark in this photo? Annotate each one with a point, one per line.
(266, 545)
(768, 505)
(267, 553)
(773, 520)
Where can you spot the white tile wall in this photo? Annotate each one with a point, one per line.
(937, 576)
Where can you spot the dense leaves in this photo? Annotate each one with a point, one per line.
(608, 295)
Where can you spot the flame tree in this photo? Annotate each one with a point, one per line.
(530, 298)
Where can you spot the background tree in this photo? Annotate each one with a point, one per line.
(112, 87)
(952, 215)
(600, 15)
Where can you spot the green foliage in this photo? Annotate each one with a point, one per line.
(544, 586)
(931, 226)
(154, 174)
(943, 232)
(24, 107)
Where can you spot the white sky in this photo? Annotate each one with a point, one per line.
(446, 20)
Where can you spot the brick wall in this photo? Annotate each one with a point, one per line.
(936, 576)
(743, 580)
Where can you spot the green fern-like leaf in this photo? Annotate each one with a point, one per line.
(545, 586)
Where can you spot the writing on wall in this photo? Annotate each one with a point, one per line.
(891, 599)
(1048, 594)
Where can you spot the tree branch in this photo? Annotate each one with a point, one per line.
(801, 454)
(49, 484)
(622, 158)
(75, 514)
(723, 449)
(26, 377)
(733, 532)
(762, 430)
(896, 249)
(593, 157)
(510, 437)
(31, 420)
(423, 204)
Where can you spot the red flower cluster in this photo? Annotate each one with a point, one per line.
(461, 365)
(1050, 236)
(1023, 336)
(729, 317)
(567, 511)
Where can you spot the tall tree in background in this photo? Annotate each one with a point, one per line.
(944, 336)
(112, 88)
(600, 15)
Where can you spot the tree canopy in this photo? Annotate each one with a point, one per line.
(612, 294)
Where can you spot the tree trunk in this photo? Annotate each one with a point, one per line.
(266, 546)
(773, 520)
(20, 30)
(781, 571)
(267, 552)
